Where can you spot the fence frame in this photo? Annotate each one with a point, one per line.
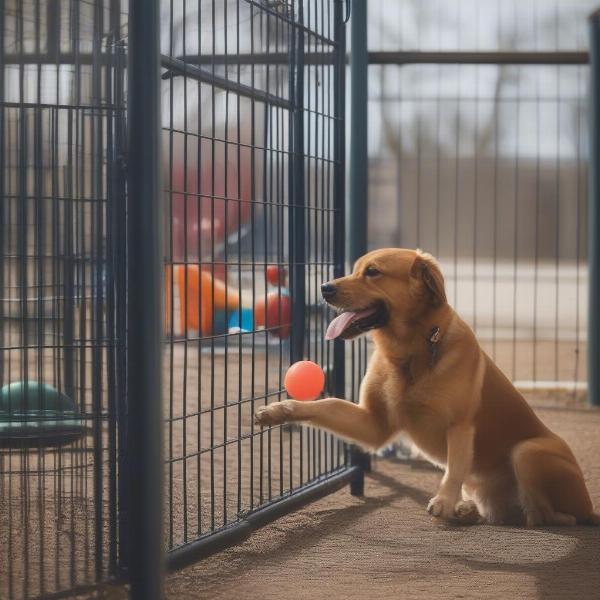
(353, 473)
(532, 58)
(594, 214)
(143, 460)
(107, 124)
(137, 553)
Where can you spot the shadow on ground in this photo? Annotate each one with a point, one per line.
(386, 546)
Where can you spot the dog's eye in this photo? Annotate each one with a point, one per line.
(372, 272)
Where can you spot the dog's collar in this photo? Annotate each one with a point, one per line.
(432, 343)
(433, 339)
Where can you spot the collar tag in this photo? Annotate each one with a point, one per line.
(434, 338)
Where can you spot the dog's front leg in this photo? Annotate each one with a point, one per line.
(351, 421)
(459, 460)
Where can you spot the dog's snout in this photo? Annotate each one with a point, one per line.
(328, 290)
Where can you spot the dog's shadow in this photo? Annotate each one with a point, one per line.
(325, 521)
(293, 538)
(574, 575)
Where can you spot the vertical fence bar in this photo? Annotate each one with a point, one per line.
(119, 227)
(297, 197)
(97, 305)
(357, 198)
(339, 356)
(3, 237)
(144, 305)
(594, 215)
(115, 194)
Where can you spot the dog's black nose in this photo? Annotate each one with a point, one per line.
(328, 290)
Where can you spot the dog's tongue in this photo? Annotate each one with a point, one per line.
(341, 322)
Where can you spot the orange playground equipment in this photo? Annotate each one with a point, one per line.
(200, 296)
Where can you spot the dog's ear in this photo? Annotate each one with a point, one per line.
(426, 270)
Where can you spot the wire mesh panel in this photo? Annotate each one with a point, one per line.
(253, 166)
(57, 308)
(250, 165)
(485, 166)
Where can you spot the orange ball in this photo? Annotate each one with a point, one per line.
(304, 380)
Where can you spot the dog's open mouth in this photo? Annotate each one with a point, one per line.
(351, 323)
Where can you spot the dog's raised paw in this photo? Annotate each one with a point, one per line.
(273, 414)
(466, 512)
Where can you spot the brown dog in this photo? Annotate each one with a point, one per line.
(429, 379)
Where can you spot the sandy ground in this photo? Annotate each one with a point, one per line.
(385, 545)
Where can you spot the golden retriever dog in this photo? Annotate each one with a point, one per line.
(429, 379)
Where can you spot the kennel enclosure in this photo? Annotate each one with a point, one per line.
(173, 191)
(170, 149)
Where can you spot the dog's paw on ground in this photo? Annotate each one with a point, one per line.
(273, 414)
(441, 507)
(463, 512)
(466, 512)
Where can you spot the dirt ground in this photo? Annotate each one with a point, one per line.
(385, 545)
(219, 466)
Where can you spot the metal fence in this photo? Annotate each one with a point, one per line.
(478, 153)
(234, 154)
(252, 183)
(59, 335)
(251, 109)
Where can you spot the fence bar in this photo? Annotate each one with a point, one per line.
(144, 344)
(176, 67)
(339, 350)
(356, 209)
(478, 58)
(594, 215)
(297, 224)
(402, 57)
(215, 542)
(357, 199)
(2, 195)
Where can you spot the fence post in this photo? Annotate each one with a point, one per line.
(339, 350)
(357, 199)
(143, 477)
(297, 223)
(2, 210)
(594, 214)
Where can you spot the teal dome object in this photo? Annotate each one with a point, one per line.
(34, 414)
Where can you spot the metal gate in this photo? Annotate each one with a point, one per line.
(254, 190)
(60, 338)
(249, 113)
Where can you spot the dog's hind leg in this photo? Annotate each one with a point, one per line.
(496, 499)
(550, 484)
